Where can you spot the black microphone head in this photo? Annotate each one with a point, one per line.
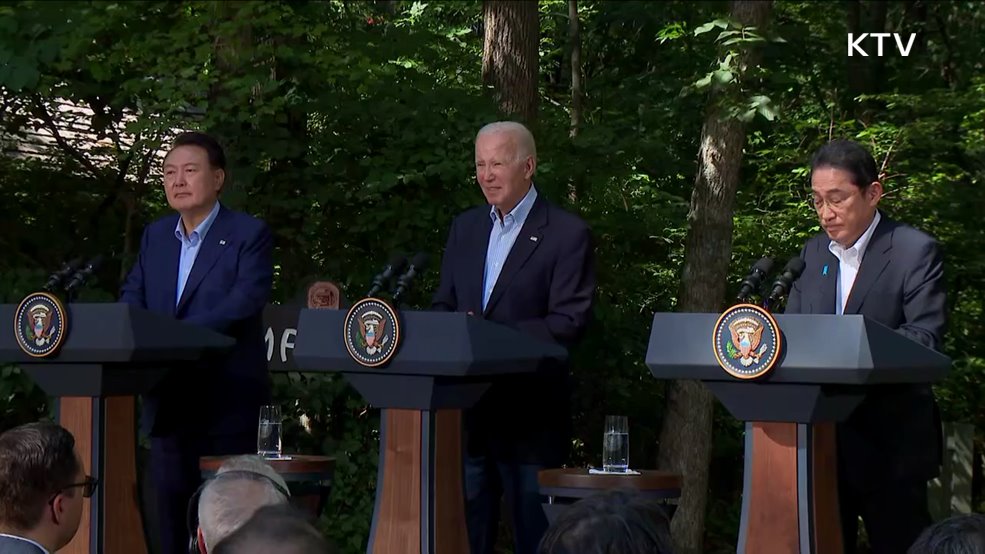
(795, 267)
(95, 263)
(397, 262)
(763, 266)
(419, 261)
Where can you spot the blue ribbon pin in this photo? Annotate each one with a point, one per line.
(824, 270)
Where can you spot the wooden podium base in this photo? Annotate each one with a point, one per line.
(105, 438)
(420, 503)
(790, 494)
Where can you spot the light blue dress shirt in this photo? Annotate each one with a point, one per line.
(501, 238)
(189, 248)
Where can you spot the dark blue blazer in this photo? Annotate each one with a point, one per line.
(546, 288)
(894, 434)
(226, 291)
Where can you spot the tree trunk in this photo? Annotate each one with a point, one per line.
(686, 433)
(509, 56)
(574, 39)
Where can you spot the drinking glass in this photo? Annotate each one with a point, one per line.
(615, 444)
(268, 432)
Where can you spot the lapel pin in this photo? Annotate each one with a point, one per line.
(533, 239)
(222, 242)
(824, 270)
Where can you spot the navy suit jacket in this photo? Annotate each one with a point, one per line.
(226, 291)
(546, 289)
(895, 433)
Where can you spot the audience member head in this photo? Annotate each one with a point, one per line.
(275, 530)
(242, 485)
(612, 522)
(961, 534)
(505, 160)
(846, 190)
(42, 484)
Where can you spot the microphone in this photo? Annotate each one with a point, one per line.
(754, 280)
(58, 277)
(417, 265)
(397, 262)
(83, 274)
(782, 284)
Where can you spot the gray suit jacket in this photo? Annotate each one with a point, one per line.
(894, 435)
(11, 545)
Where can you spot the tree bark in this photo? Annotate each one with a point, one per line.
(686, 432)
(574, 39)
(509, 56)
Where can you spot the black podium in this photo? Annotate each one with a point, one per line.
(111, 352)
(446, 361)
(789, 501)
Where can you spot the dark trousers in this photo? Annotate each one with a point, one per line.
(894, 515)
(176, 476)
(486, 480)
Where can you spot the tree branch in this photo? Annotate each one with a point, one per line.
(40, 110)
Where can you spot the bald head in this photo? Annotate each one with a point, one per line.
(242, 485)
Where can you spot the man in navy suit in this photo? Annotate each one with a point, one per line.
(209, 266)
(526, 263)
(865, 263)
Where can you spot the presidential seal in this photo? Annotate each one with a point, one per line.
(747, 341)
(372, 332)
(40, 324)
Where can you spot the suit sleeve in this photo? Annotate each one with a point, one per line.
(251, 290)
(924, 299)
(132, 291)
(571, 294)
(444, 299)
(794, 299)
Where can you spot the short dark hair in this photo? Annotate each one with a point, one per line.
(37, 460)
(275, 529)
(613, 521)
(217, 157)
(961, 534)
(848, 156)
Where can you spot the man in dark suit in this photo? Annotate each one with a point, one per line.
(865, 263)
(42, 489)
(209, 266)
(526, 263)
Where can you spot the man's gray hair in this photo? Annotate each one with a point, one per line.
(228, 502)
(523, 139)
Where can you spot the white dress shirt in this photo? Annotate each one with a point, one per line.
(849, 260)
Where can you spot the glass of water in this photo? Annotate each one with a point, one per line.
(268, 432)
(615, 444)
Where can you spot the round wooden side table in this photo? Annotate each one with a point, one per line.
(565, 486)
(308, 478)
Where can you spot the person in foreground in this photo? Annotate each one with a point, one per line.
(866, 263)
(242, 485)
(210, 266)
(275, 530)
(42, 489)
(617, 521)
(960, 534)
(524, 262)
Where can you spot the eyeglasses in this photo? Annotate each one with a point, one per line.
(88, 488)
(835, 204)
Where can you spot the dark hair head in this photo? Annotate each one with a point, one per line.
(277, 529)
(37, 460)
(217, 157)
(850, 157)
(623, 522)
(962, 534)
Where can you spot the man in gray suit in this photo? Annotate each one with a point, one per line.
(865, 263)
(42, 487)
